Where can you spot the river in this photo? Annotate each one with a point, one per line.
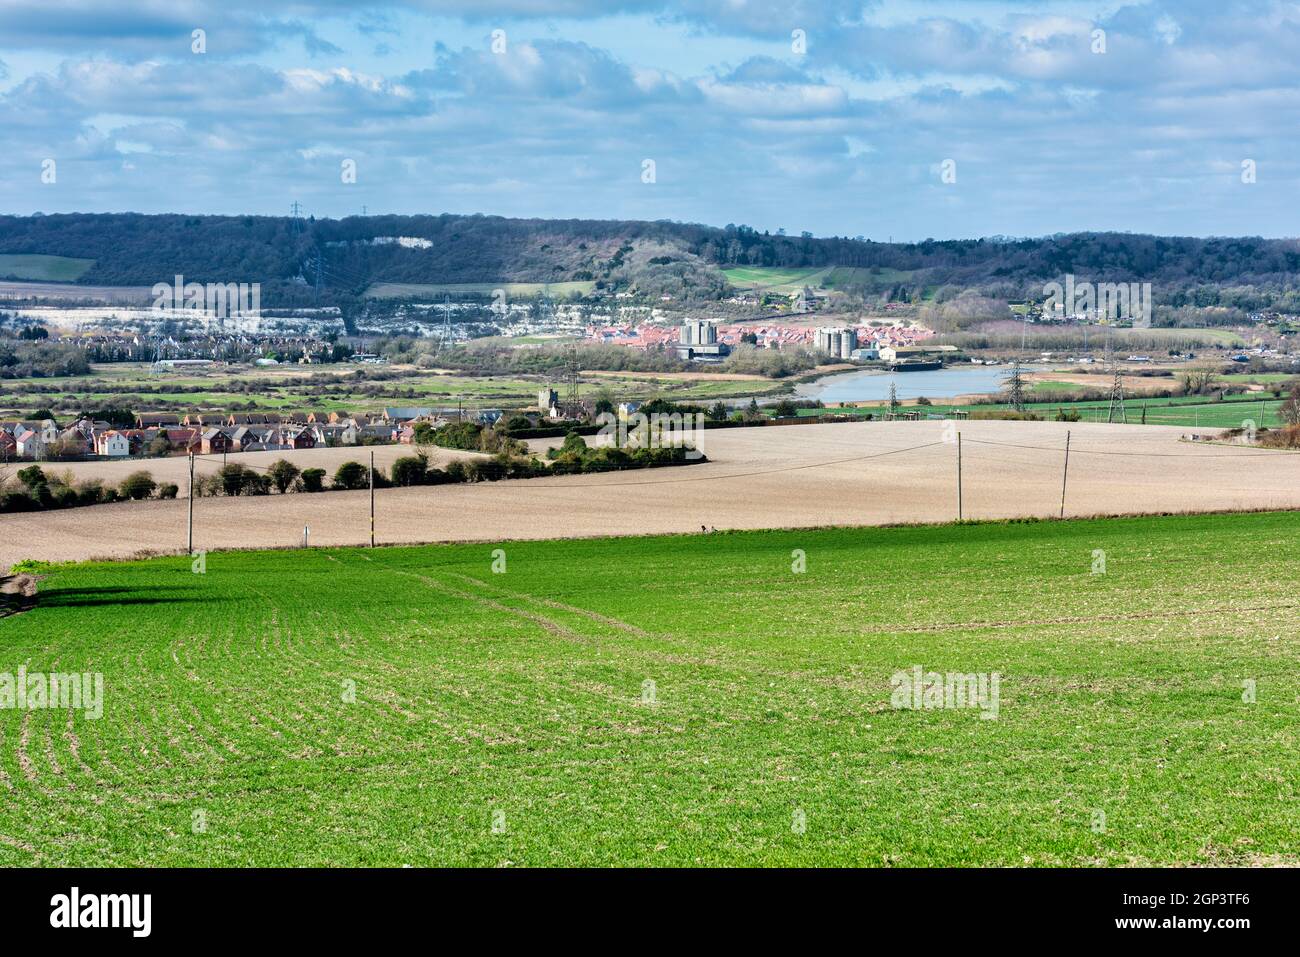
(935, 384)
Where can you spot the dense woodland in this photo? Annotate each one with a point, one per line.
(288, 255)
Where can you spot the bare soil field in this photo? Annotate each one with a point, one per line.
(176, 468)
(868, 473)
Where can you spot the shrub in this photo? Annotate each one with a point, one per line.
(283, 474)
(485, 470)
(90, 491)
(312, 480)
(168, 490)
(64, 497)
(574, 447)
(517, 467)
(17, 502)
(1287, 437)
(471, 437)
(351, 475)
(138, 485)
(410, 470)
(235, 479)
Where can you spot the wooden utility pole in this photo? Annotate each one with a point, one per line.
(1065, 474)
(189, 543)
(959, 476)
(372, 499)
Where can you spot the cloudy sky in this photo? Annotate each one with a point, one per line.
(882, 118)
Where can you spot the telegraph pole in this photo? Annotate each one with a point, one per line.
(1065, 474)
(189, 548)
(959, 476)
(372, 499)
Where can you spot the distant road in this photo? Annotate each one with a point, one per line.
(124, 295)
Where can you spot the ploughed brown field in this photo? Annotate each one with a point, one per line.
(773, 477)
(176, 468)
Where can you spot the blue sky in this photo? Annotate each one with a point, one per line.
(848, 132)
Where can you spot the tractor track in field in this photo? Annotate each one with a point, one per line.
(549, 624)
(557, 605)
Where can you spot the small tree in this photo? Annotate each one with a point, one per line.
(283, 474)
(351, 475)
(138, 485)
(160, 446)
(32, 476)
(410, 470)
(1290, 410)
(785, 409)
(1200, 378)
(604, 401)
(313, 480)
(232, 478)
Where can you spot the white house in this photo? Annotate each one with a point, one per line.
(46, 429)
(30, 445)
(114, 444)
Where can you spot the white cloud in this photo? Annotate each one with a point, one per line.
(1042, 128)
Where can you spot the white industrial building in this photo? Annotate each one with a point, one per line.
(697, 341)
(838, 341)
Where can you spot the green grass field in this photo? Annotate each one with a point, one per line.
(877, 277)
(789, 281)
(506, 719)
(43, 268)
(290, 388)
(1183, 411)
(775, 279)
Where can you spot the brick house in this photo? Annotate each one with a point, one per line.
(184, 441)
(216, 442)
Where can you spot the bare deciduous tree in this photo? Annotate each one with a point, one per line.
(1198, 379)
